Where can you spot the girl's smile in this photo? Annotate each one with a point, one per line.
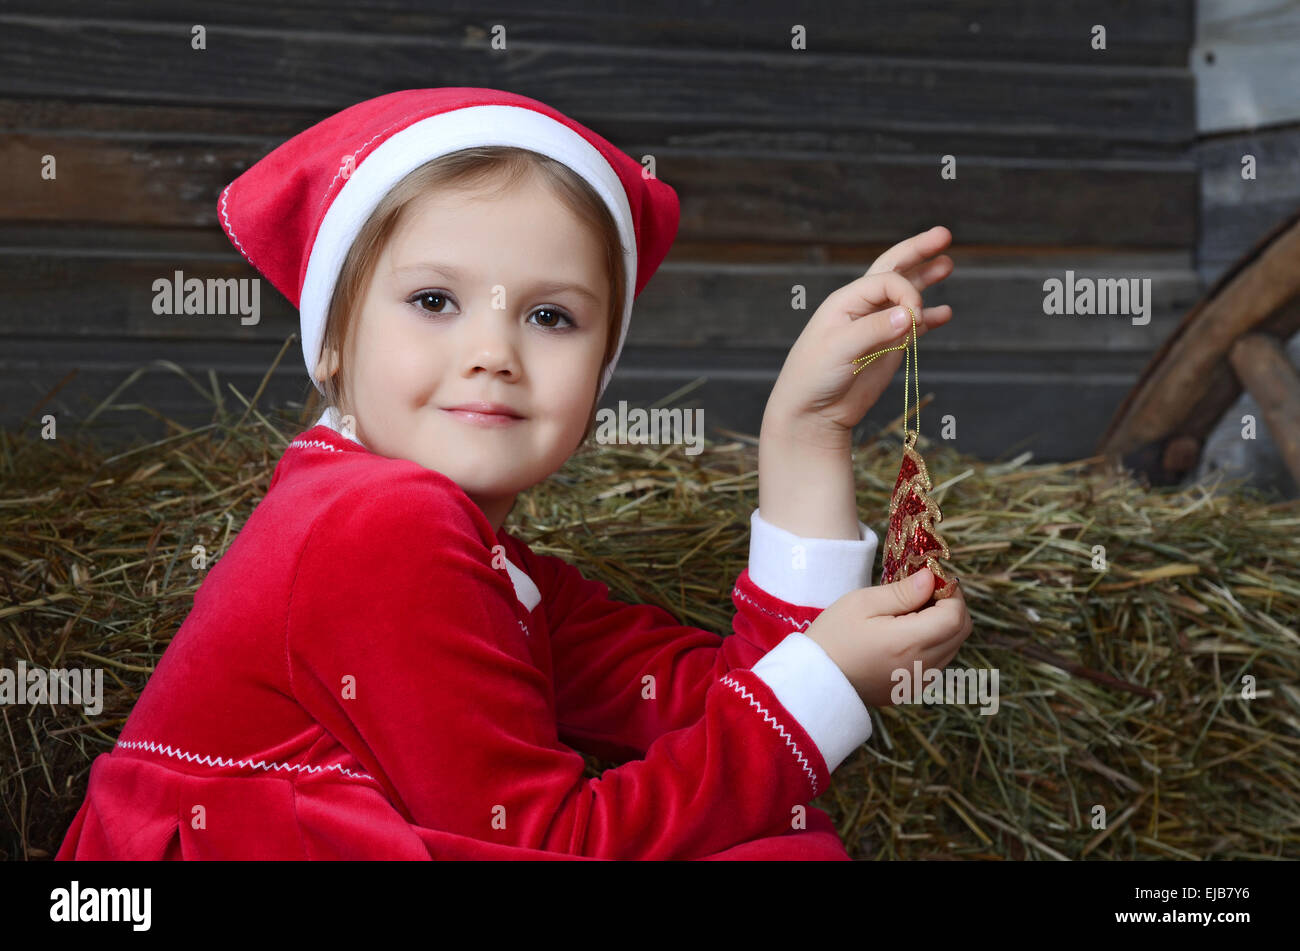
(489, 415)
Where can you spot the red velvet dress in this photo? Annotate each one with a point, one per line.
(370, 672)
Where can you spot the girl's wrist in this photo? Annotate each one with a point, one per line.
(805, 432)
(805, 480)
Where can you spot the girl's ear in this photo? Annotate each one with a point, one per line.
(328, 364)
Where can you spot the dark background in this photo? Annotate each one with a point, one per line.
(793, 167)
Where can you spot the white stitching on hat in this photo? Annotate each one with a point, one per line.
(356, 156)
(230, 230)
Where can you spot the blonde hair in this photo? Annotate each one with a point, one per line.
(471, 168)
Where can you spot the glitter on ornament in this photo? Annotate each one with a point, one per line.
(912, 541)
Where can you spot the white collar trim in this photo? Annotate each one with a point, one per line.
(525, 590)
(330, 420)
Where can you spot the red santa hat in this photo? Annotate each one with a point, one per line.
(295, 213)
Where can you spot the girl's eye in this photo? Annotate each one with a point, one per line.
(422, 296)
(437, 300)
(556, 313)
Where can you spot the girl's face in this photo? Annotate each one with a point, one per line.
(499, 300)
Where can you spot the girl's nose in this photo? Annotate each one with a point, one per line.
(490, 344)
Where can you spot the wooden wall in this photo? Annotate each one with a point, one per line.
(794, 167)
(1246, 60)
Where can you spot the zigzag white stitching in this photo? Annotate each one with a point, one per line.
(221, 761)
(355, 157)
(776, 725)
(312, 444)
(784, 617)
(226, 191)
(527, 633)
(230, 229)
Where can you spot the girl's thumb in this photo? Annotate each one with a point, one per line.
(914, 590)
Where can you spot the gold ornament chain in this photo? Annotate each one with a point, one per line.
(913, 360)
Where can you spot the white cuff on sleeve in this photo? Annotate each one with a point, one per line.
(815, 691)
(810, 572)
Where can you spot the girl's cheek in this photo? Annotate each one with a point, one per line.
(406, 359)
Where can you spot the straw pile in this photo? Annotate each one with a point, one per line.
(1120, 688)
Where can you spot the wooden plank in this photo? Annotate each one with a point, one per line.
(55, 354)
(1056, 418)
(725, 196)
(997, 309)
(1056, 407)
(1053, 403)
(1156, 32)
(999, 304)
(1246, 63)
(30, 369)
(993, 200)
(150, 122)
(122, 182)
(134, 61)
(264, 129)
(1236, 211)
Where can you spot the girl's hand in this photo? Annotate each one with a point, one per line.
(871, 632)
(817, 394)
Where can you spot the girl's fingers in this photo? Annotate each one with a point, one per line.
(931, 629)
(908, 253)
(932, 272)
(927, 320)
(930, 318)
(933, 317)
(874, 331)
(938, 658)
(869, 293)
(928, 272)
(868, 302)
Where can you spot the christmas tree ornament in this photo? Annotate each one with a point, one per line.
(912, 541)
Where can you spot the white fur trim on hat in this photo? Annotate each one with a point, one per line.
(407, 150)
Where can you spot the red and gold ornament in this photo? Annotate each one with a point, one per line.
(912, 541)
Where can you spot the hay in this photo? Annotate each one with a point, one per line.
(1120, 689)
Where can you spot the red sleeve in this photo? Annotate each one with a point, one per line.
(608, 655)
(405, 644)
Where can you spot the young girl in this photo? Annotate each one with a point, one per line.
(376, 669)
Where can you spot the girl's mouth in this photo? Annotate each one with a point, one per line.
(485, 420)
